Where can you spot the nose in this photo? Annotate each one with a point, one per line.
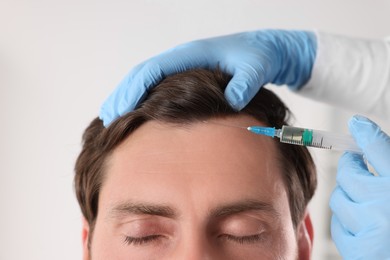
(195, 247)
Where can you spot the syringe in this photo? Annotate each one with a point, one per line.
(309, 137)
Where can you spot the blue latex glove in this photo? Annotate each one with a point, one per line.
(361, 202)
(253, 58)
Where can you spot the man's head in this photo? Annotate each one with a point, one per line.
(174, 180)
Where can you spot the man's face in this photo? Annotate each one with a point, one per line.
(206, 191)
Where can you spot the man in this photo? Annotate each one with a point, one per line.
(339, 70)
(181, 178)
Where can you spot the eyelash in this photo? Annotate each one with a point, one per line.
(241, 240)
(141, 240)
(245, 239)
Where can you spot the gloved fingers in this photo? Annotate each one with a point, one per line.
(350, 246)
(125, 97)
(134, 87)
(342, 238)
(356, 181)
(351, 162)
(350, 214)
(108, 111)
(360, 203)
(254, 58)
(184, 57)
(369, 244)
(116, 103)
(374, 143)
(243, 87)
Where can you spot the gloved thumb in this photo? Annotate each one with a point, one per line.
(374, 143)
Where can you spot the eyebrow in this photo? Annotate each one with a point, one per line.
(129, 208)
(243, 206)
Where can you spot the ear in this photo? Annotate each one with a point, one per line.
(305, 237)
(85, 239)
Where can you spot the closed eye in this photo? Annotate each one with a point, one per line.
(141, 240)
(244, 239)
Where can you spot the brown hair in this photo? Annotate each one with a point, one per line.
(183, 99)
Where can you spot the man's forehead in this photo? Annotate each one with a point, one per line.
(229, 134)
(198, 149)
(217, 160)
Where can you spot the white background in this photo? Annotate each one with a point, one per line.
(60, 59)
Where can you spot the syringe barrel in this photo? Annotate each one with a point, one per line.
(319, 139)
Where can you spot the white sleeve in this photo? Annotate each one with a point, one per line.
(351, 73)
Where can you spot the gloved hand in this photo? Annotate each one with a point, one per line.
(361, 201)
(253, 58)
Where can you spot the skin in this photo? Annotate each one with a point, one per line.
(204, 191)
